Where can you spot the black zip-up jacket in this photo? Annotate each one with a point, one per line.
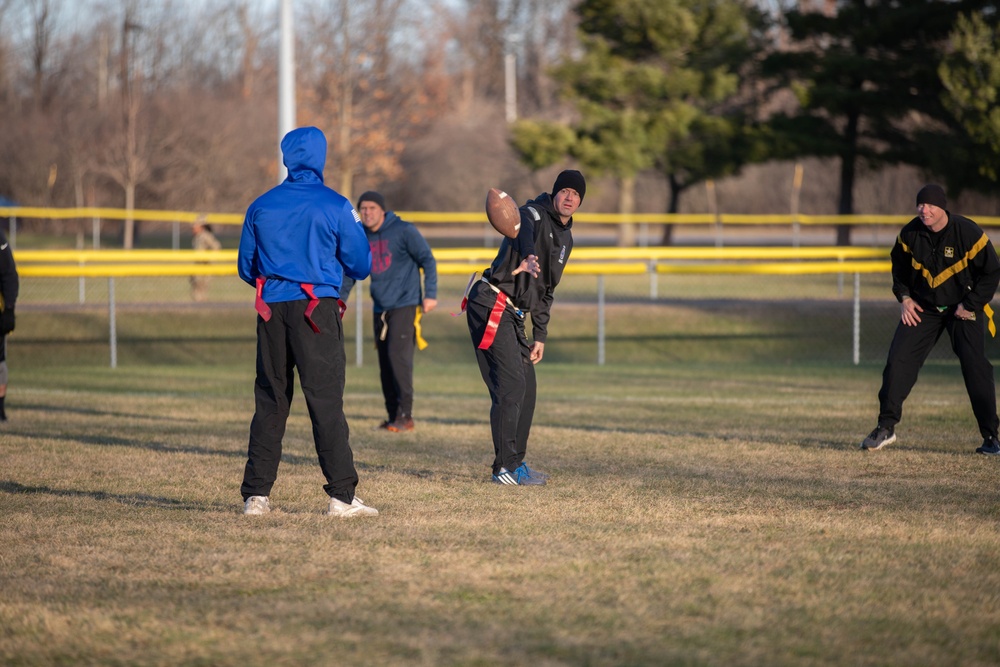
(542, 234)
(8, 275)
(942, 269)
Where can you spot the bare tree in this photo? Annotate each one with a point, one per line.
(43, 23)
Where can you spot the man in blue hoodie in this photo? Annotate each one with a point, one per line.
(298, 241)
(399, 252)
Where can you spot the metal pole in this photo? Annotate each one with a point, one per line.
(653, 281)
(796, 191)
(286, 81)
(713, 208)
(857, 319)
(113, 333)
(510, 78)
(177, 235)
(96, 233)
(600, 320)
(13, 233)
(358, 327)
(82, 287)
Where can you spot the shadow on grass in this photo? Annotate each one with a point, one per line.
(130, 500)
(92, 412)
(241, 454)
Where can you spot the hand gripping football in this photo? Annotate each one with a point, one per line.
(502, 212)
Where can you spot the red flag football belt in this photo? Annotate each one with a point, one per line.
(265, 311)
(494, 321)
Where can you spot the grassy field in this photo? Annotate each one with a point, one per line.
(708, 506)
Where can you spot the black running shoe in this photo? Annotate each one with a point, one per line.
(879, 438)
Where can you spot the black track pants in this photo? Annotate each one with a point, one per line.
(395, 358)
(509, 375)
(284, 343)
(910, 348)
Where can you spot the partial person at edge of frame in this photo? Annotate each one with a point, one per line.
(9, 285)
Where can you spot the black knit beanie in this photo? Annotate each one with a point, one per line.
(570, 178)
(371, 195)
(932, 194)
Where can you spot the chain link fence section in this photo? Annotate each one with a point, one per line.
(661, 312)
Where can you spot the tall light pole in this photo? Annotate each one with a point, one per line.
(510, 77)
(286, 80)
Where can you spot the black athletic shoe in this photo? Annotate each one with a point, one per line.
(991, 447)
(879, 438)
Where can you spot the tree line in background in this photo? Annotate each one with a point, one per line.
(668, 105)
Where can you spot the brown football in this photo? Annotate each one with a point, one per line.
(501, 209)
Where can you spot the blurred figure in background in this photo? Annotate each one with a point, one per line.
(8, 297)
(203, 239)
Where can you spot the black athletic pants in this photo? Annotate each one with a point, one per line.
(509, 375)
(395, 358)
(909, 349)
(284, 343)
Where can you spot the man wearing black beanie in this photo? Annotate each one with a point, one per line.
(521, 280)
(399, 255)
(944, 274)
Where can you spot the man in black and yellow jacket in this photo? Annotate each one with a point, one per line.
(944, 274)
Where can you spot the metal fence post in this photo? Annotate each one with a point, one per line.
(82, 282)
(13, 232)
(653, 281)
(600, 320)
(177, 235)
(358, 327)
(857, 319)
(113, 333)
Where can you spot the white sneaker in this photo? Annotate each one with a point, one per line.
(356, 508)
(257, 505)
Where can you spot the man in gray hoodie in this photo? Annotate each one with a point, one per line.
(399, 253)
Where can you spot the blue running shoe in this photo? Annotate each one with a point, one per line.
(517, 478)
(991, 447)
(537, 474)
(504, 476)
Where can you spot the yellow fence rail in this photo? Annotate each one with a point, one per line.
(461, 217)
(455, 261)
(599, 262)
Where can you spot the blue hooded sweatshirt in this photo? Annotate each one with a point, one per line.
(399, 251)
(301, 231)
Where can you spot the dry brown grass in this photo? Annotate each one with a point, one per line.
(697, 514)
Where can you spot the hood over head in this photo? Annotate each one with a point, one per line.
(303, 152)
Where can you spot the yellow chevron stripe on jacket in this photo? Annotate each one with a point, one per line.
(957, 267)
